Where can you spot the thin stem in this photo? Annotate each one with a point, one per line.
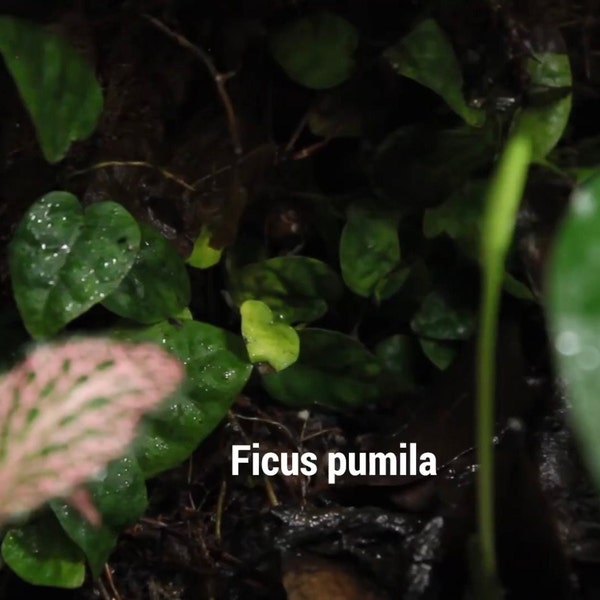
(220, 79)
(506, 189)
(485, 418)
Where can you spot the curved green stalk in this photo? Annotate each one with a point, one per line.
(505, 191)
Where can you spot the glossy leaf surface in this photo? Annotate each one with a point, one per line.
(267, 341)
(156, 287)
(64, 259)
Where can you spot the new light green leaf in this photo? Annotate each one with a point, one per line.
(316, 51)
(266, 340)
(426, 55)
(63, 259)
(41, 553)
(203, 256)
(573, 294)
(57, 86)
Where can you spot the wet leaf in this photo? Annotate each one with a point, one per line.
(41, 553)
(69, 409)
(295, 288)
(369, 249)
(545, 123)
(64, 259)
(417, 166)
(573, 293)
(156, 287)
(217, 369)
(277, 344)
(333, 370)
(316, 51)
(426, 55)
(439, 319)
(120, 498)
(57, 86)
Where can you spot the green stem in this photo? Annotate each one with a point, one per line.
(504, 195)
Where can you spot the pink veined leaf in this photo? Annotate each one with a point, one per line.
(71, 408)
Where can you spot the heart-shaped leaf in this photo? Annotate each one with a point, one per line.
(217, 367)
(369, 249)
(439, 319)
(63, 259)
(573, 292)
(418, 166)
(333, 370)
(120, 498)
(277, 344)
(57, 86)
(41, 553)
(203, 256)
(156, 287)
(544, 121)
(295, 288)
(69, 409)
(316, 51)
(426, 55)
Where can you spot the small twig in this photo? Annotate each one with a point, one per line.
(271, 495)
(280, 426)
(219, 514)
(219, 78)
(297, 132)
(310, 150)
(189, 481)
(135, 163)
(103, 591)
(111, 583)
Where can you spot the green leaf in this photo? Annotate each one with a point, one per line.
(295, 288)
(203, 256)
(426, 55)
(439, 319)
(316, 51)
(417, 166)
(369, 249)
(277, 344)
(333, 370)
(545, 123)
(57, 86)
(120, 497)
(574, 314)
(391, 284)
(460, 217)
(156, 287)
(397, 356)
(63, 259)
(441, 354)
(41, 553)
(217, 370)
